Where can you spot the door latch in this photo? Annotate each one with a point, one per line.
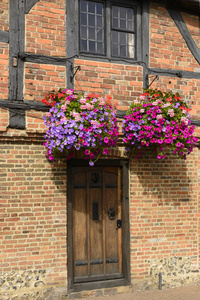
(119, 224)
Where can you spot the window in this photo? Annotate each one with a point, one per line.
(108, 28)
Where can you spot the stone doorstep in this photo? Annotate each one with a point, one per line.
(100, 292)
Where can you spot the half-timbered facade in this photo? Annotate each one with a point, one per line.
(68, 229)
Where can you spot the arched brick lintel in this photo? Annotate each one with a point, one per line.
(29, 4)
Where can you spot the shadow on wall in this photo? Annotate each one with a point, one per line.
(170, 181)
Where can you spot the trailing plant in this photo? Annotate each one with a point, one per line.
(156, 120)
(79, 121)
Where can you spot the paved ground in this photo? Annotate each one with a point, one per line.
(183, 293)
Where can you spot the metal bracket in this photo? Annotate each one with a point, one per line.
(78, 68)
(119, 224)
(156, 77)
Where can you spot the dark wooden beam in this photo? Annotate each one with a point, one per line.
(174, 73)
(13, 48)
(71, 39)
(17, 119)
(189, 6)
(179, 21)
(16, 66)
(29, 4)
(4, 36)
(24, 105)
(145, 42)
(43, 59)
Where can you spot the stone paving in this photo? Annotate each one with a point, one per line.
(182, 293)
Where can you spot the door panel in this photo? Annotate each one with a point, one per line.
(80, 225)
(96, 232)
(96, 200)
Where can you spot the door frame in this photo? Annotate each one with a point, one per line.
(75, 287)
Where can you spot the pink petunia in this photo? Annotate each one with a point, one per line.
(105, 151)
(106, 140)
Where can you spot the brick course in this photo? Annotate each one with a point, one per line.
(123, 82)
(168, 49)
(4, 15)
(33, 212)
(4, 56)
(40, 79)
(45, 31)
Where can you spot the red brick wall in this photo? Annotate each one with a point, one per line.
(189, 90)
(41, 78)
(45, 28)
(4, 56)
(164, 212)
(122, 82)
(4, 15)
(192, 22)
(167, 47)
(32, 213)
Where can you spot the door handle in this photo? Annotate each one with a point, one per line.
(111, 213)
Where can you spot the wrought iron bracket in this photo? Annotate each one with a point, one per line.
(77, 68)
(155, 77)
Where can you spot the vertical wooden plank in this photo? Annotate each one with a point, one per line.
(79, 223)
(138, 36)
(13, 47)
(70, 258)
(71, 38)
(145, 42)
(125, 224)
(119, 217)
(107, 39)
(104, 223)
(16, 66)
(96, 232)
(79, 232)
(20, 67)
(88, 223)
(111, 202)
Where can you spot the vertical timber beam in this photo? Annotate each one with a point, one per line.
(71, 39)
(13, 49)
(145, 42)
(16, 66)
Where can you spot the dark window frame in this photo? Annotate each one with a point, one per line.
(136, 6)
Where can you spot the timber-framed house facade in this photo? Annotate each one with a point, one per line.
(118, 226)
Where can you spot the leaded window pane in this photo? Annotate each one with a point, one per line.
(92, 31)
(122, 18)
(123, 44)
(92, 27)
(122, 32)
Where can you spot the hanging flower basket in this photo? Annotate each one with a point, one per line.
(79, 122)
(156, 120)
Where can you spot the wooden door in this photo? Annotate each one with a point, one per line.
(96, 221)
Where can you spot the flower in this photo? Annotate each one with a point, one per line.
(79, 121)
(159, 119)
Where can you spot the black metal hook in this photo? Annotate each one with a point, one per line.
(78, 68)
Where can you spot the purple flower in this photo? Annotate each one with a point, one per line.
(91, 163)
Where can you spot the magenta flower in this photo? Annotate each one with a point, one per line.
(106, 140)
(87, 152)
(140, 131)
(105, 151)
